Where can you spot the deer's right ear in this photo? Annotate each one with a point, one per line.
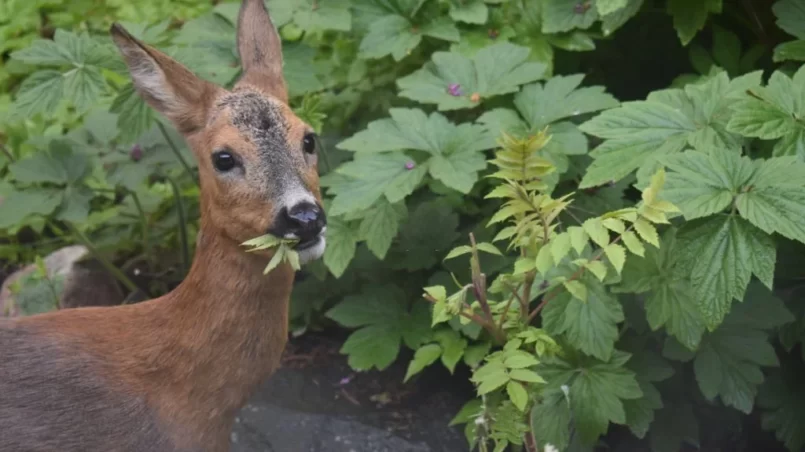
(260, 49)
(164, 83)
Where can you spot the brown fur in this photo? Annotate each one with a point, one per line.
(169, 374)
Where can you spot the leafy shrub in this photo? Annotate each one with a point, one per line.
(610, 231)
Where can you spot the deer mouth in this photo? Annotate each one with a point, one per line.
(307, 244)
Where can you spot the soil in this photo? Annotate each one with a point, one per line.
(316, 402)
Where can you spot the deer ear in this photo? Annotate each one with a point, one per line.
(164, 83)
(260, 49)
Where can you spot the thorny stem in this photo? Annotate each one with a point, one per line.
(552, 292)
(176, 152)
(105, 262)
(182, 225)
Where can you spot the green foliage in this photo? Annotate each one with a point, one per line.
(629, 229)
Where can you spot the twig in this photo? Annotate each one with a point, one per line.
(7, 153)
(509, 304)
(146, 241)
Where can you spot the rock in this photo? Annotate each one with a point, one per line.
(85, 281)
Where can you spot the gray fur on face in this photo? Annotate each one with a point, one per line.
(276, 171)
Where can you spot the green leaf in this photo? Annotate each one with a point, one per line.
(595, 229)
(647, 231)
(590, 326)
(83, 86)
(453, 346)
(616, 255)
(638, 133)
(597, 390)
(372, 346)
(424, 357)
(469, 11)
(648, 367)
(790, 17)
(494, 70)
(774, 199)
(313, 15)
(633, 244)
(490, 377)
(359, 184)
(371, 306)
(722, 253)
(44, 52)
(671, 301)
(396, 36)
(576, 289)
(550, 421)
(691, 15)
(610, 6)
(703, 184)
(559, 98)
(135, 117)
(613, 21)
(782, 398)
(39, 93)
(379, 227)
(341, 244)
(566, 15)
(19, 205)
(517, 394)
(526, 375)
(728, 361)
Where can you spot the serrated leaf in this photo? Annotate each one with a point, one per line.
(41, 92)
(550, 421)
(396, 36)
(517, 394)
(614, 224)
(528, 376)
(598, 268)
(566, 15)
(577, 289)
(470, 11)
(424, 357)
(638, 133)
(633, 244)
(341, 244)
(83, 85)
(691, 15)
(578, 238)
(775, 199)
(782, 398)
(616, 255)
(647, 232)
(520, 360)
(723, 252)
(20, 205)
(544, 261)
(596, 390)
(596, 231)
(453, 346)
(728, 361)
(371, 306)
(372, 346)
(560, 246)
(494, 70)
(590, 326)
(379, 227)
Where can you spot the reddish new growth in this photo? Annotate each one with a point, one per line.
(454, 89)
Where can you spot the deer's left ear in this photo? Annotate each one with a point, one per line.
(165, 84)
(260, 49)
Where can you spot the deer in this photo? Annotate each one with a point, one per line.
(169, 374)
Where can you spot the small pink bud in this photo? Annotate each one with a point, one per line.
(136, 153)
(581, 7)
(454, 89)
(410, 165)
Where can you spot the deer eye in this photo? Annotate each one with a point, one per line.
(223, 161)
(309, 143)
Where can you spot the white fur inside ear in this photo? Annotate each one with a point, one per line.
(149, 78)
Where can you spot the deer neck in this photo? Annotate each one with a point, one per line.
(229, 327)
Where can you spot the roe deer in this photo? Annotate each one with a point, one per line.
(170, 374)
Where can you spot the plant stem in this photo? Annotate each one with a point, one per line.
(105, 262)
(7, 153)
(182, 225)
(144, 218)
(176, 152)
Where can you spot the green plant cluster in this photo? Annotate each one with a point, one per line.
(597, 206)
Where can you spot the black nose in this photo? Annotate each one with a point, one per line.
(305, 220)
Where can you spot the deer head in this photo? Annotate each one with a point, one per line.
(257, 160)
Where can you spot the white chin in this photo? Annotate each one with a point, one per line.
(314, 252)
